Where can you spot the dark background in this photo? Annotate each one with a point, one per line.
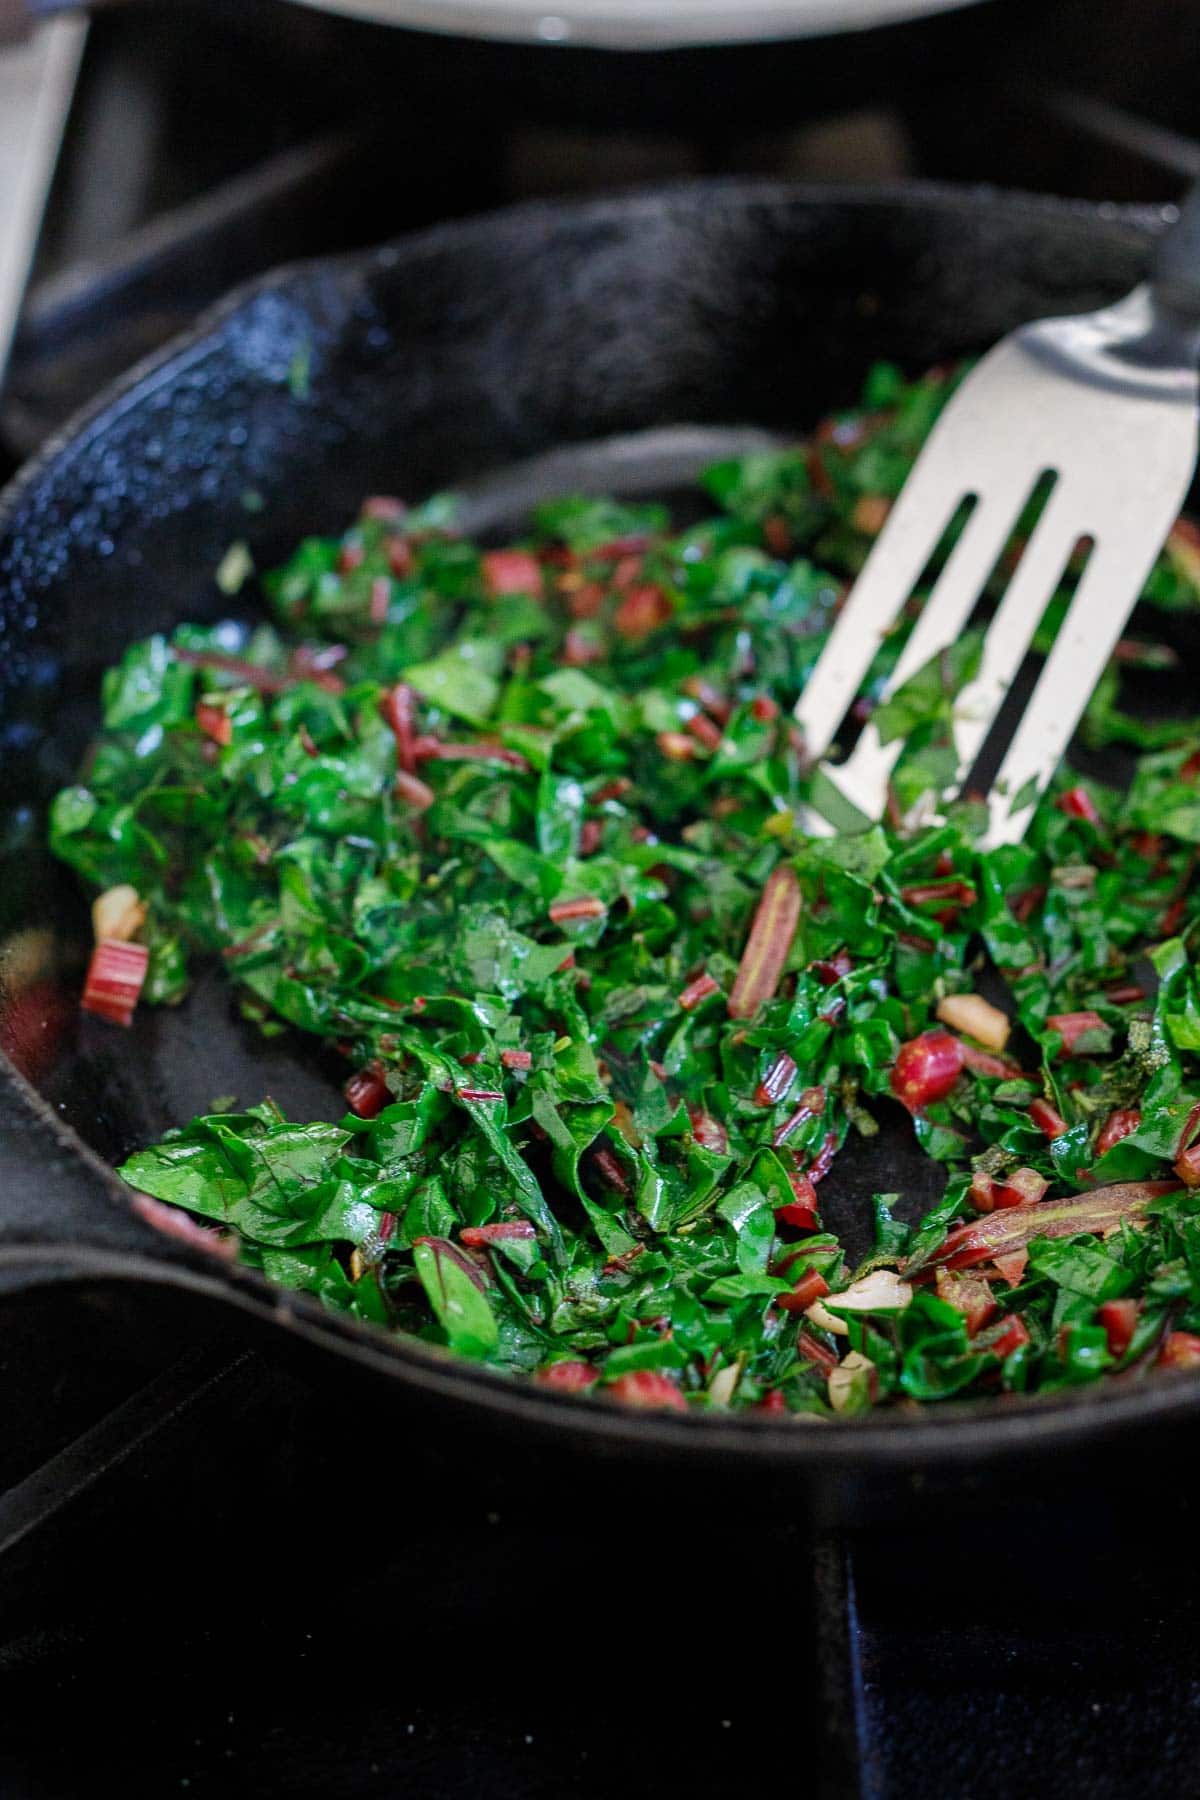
(208, 141)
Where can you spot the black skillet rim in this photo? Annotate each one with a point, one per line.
(970, 1432)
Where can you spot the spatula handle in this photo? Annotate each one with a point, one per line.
(1175, 273)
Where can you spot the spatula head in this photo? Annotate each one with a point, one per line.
(1104, 404)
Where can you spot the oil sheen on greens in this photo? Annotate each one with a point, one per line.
(492, 900)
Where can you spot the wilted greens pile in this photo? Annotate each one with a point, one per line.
(516, 832)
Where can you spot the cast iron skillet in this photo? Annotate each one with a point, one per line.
(515, 354)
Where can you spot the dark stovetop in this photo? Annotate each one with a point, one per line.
(227, 1586)
(212, 139)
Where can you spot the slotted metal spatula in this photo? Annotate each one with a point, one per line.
(1107, 404)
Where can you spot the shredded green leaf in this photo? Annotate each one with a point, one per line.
(495, 825)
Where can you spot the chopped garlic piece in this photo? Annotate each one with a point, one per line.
(854, 1377)
(235, 568)
(880, 1291)
(977, 1017)
(818, 1315)
(118, 913)
(720, 1388)
(25, 957)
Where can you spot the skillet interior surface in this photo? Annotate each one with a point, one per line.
(544, 349)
